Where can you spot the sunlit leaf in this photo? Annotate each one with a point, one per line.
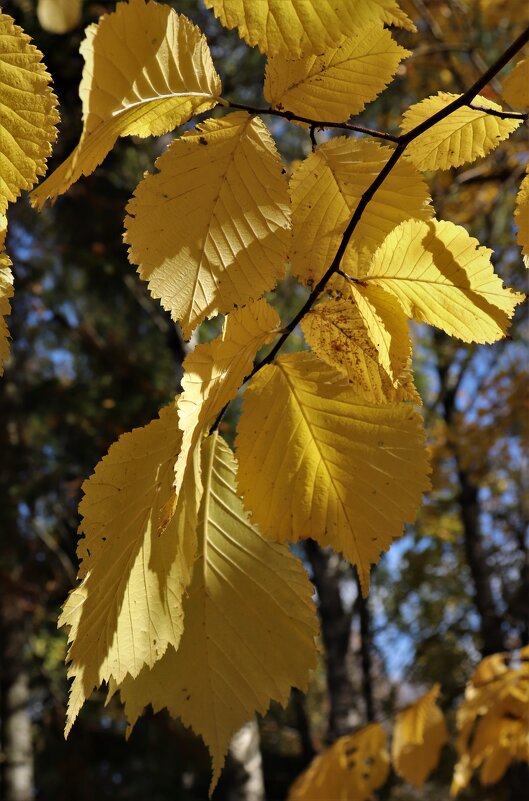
(210, 230)
(29, 115)
(297, 28)
(441, 276)
(147, 70)
(521, 216)
(250, 623)
(459, 138)
(316, 461)
(128, 607)
(326, 189)
(516, 85)
(338, 84)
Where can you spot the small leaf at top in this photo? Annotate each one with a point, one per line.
(298, 28)
(59, 16)
(463, 136)
(128, 607)
(338, 84)
(249, 623)
(147, 70)
(316, 461)
(441, 276)
(29, 114)
(210, 230)
(326, 188)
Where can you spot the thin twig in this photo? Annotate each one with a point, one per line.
(503, 115)
(402, 143)
(291, 117)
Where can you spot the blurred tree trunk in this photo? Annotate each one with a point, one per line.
(17, 748)
(242, 777)
(336, 635)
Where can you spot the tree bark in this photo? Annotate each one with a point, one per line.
(336, 635)
(364, 614)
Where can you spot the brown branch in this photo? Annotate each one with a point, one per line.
(503, 115)
(402, 141)
(291, 117)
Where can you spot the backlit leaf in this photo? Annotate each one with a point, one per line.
(210, 230)
(419, 734)
(147, 70)
(336, 333)
(297, 28)
(316, 461)
(462, 137)
(326, 189)
(59, 16)
(338, 84)
(214, 371)
(29, 115)
(250, 623)
(6, 292)
(516, 85)
(128, 607)
(521, 216)
(352, 768)
(441, 276)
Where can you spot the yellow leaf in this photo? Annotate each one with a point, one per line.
(6, 292)
(128, 607)
(516, 85)
(336, 333)
(59, 16)
(462, 137)
(521, 216)
(249, 618)
(441, 276)
(210, 230)
(213, 373)
(338, 84)
(147, 70)
(419, 734)
(352, 768)
(384, 321)
(318, 461)
(29, 115)
(298, 28)
(326, 189)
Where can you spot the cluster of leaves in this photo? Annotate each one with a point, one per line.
(190, 597)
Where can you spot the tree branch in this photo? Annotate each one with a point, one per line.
(503, 115)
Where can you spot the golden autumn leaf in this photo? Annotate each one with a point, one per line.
(493, 719)
(316, 460)
(334, 86)
(336, 332)
(128, 607)
(59, 16)
(298, 28)
(419, 733)
(29, 114)
(214, 371)
(326, 189)
(460, 138)
(210, 230)
(516, 85)
(352, 768)
(384, 321)
(441, 276)
(6, 292)
(147, 70)
(521, 216)
(250, 623)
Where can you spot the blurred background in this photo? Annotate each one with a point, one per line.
(93, 356)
